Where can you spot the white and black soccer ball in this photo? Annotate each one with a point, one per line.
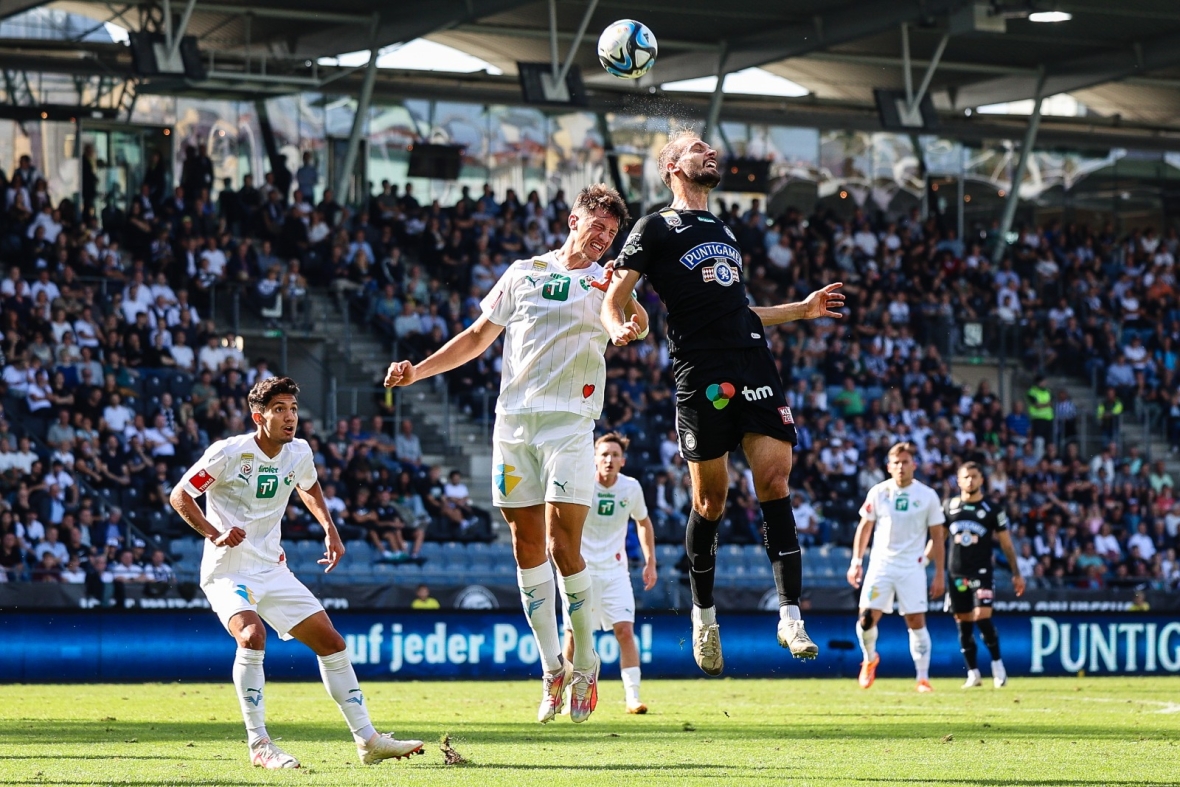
(627, 49)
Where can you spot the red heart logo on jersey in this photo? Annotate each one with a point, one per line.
(587, 391)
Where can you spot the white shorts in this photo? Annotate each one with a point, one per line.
(276, 595)
(612, 600)
(883, 583)
(542, 458)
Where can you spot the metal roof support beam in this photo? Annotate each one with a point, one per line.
(827, 30)
(1077, 74)
(916, 99)
(714, 116)
(612, 156)
(174, 47)
(362, 115)
(569, 57)
(1026, 146)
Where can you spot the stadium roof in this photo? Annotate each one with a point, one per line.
(1122, 61)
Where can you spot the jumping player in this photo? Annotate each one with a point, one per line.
(617, 499)
(247, 482)
(551, 393)
(973, 522)
(908, 520)
(728, 389)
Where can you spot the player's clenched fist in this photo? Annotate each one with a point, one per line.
(625, 333)
(400, 373)
(230, 538)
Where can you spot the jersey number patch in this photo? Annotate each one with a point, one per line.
(606, 507)
(267, 486)
(901, 504)
(557, 288)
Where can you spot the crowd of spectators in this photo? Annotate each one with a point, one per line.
(115, 379)
(1064, 299)
(95, 307)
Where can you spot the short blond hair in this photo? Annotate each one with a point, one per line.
(613, 437)
(904, 447)
(671, 152)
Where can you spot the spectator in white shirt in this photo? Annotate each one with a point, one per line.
(1107, 545)
(215, 256)
(1142, 539)
(781, 255)
(43, 284)
(182, 353)
(73, 573)
(211, 356)
(160, 439)
(117, 415)
(24, 457)
(127, 570)
(1026, 561)
(407, 445)
(157, 569)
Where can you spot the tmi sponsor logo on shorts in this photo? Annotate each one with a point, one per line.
(757, 394)
(692, 258)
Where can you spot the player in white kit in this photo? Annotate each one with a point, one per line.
(617, 499)
(247, 482)
(551, 393)
(908, 519)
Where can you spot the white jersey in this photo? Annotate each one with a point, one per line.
(902, 517)
(245, 488)
(553, 337)
(605, 531)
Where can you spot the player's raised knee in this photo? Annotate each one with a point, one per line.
(709, 503)
(251, 635)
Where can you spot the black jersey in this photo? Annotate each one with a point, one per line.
(971, 528)
(694, 264)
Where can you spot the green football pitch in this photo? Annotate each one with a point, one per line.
(1046, 731)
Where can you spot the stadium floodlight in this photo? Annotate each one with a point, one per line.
(1050, 16)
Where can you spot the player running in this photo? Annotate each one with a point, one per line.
(728, 389)
(551, 393)
(247, 482)
(972, 522)
(617, 498)
(908, 519)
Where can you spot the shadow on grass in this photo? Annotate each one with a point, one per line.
(65, 732)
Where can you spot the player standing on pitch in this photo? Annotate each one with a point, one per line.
(551, 394)
(908, 520)
(617, 499)
(247, 482)
(972, 522)
(728, 390)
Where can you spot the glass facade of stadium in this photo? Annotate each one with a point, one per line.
(527, 149)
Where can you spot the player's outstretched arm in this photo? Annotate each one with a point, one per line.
(333, 547)
(1010, 552)
(860, 544)
(471, 343)
(937, 546)
(821, 303)
(191, 513)
(647, 542)
(623, 327)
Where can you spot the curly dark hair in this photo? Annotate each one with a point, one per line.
(601, 196)
(265, 390)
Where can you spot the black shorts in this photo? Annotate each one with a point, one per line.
(967, 592)
(722, 395)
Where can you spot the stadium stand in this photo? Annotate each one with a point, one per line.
(116, 377)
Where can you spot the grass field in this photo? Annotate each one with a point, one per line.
(1105, 731)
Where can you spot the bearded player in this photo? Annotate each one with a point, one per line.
(728, 389)
(247, 482)
(617, 499)
(551, 393)
(973, 524)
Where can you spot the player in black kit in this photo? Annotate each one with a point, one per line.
(728, 390)
(973, 522)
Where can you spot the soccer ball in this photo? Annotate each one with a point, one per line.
(627, 49)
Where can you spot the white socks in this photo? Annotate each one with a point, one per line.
(576, 589)
(631, 684)
(789, 612)
(340, 681)
(249, 680)
(868, 641)
(706, 616)
(920, 650)
(538, 596)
